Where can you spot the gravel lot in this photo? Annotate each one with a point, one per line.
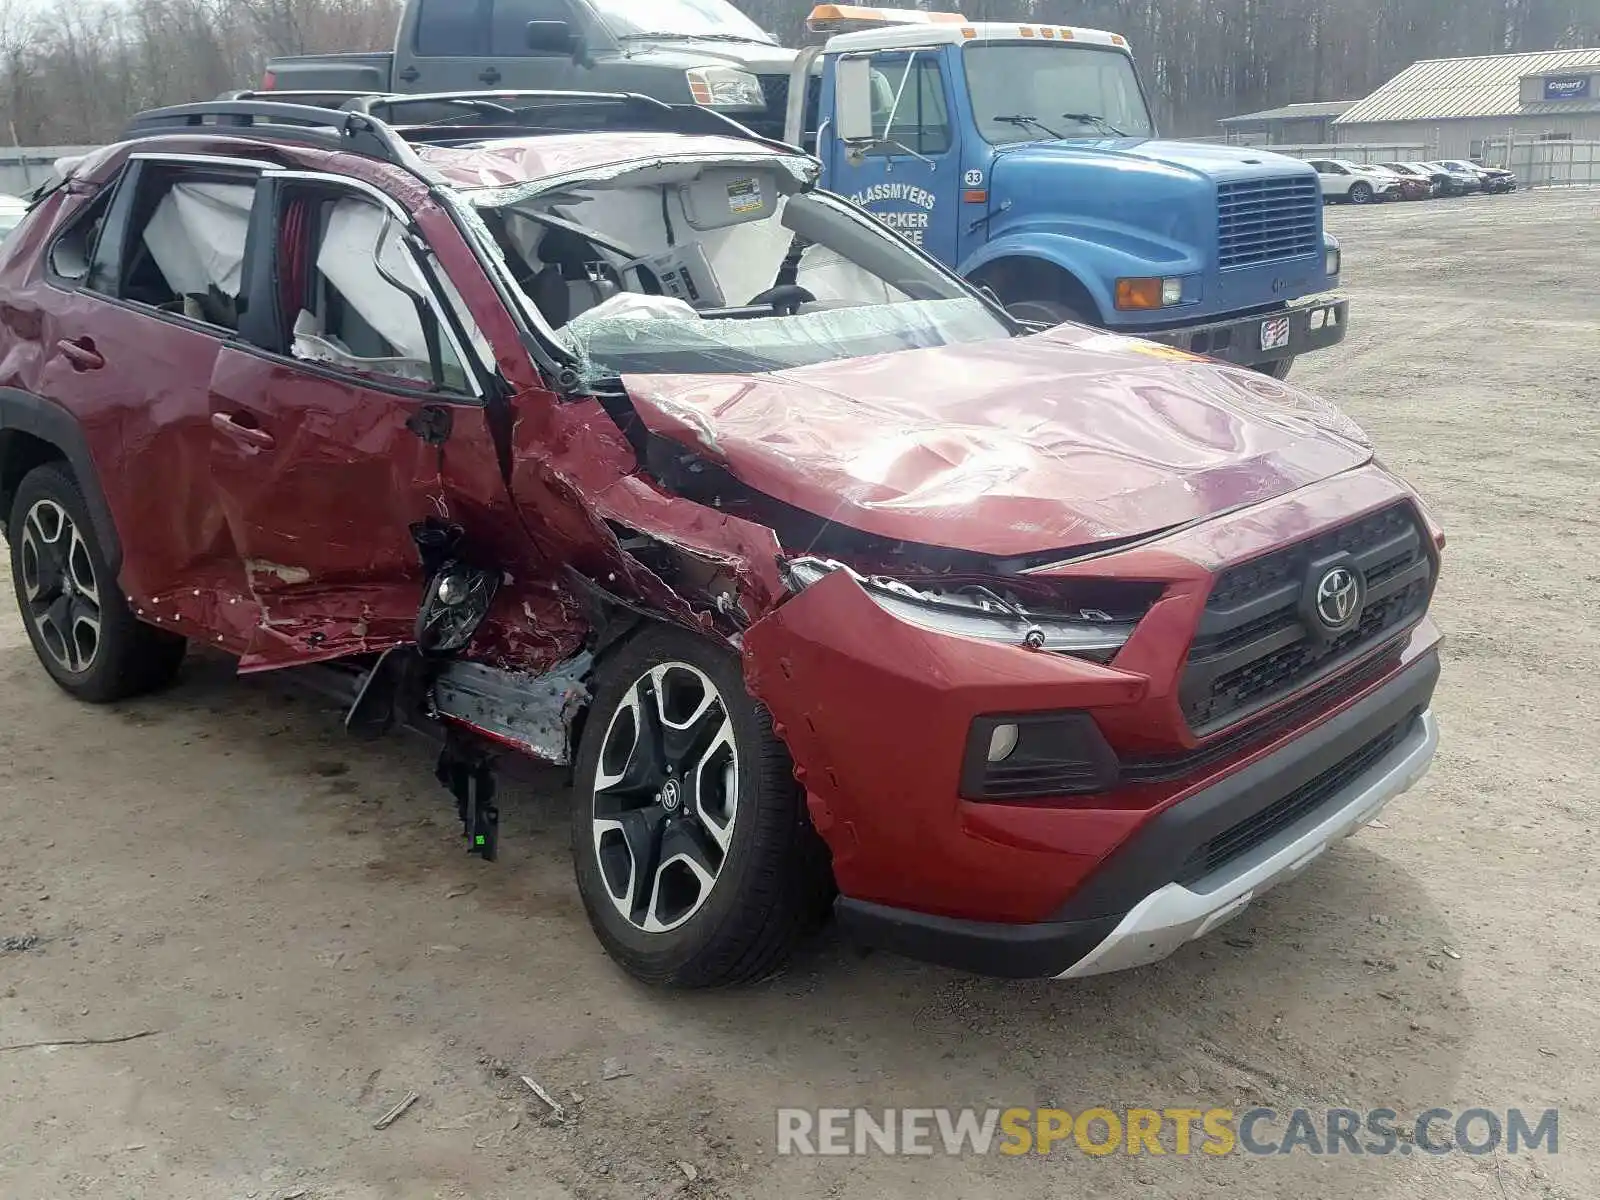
(293, 917)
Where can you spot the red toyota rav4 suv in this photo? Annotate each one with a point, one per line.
(591, 429)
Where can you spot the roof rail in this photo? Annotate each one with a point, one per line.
(330, 127)
(508, 102)
(373, 124)
(552, 111)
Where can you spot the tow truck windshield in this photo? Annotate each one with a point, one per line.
(1024, 91)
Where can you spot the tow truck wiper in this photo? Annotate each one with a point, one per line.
(1022, 122)
(1096, 119)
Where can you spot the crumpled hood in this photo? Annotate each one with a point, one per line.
(1009, 448)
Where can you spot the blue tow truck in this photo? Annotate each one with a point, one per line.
(1022, 155)
(1025, 157)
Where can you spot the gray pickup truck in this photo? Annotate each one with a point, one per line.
(679, 51)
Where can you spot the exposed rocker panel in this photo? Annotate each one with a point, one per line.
(532, 712)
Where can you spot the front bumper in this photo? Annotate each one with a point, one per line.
(1203, 860)
(1313, 324)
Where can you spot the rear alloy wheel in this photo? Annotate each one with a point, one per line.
(58, 588)
(694, 853)
(1361, 193)
(76, 616)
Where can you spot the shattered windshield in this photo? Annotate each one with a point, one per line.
(680, 19)
(1027, 92)
(711, 268)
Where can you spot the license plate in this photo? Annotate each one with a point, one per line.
(1275, 333)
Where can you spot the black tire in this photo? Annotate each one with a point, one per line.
(1279, 369)
(64, 580)
(772, 883)
(1361, 193)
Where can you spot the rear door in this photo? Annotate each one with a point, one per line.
(354, 413)
(141, 299)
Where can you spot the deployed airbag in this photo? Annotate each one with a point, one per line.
(348, 260)
(197, 236)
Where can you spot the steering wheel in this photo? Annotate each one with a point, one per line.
(785, 300)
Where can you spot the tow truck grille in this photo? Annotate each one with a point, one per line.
(1265, 220)
(1254, 645)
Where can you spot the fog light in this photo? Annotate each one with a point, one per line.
(1002, 742)
(1171, 292)
(1036, 756)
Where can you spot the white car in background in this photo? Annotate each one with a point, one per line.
(12, 210)
(1356, 182)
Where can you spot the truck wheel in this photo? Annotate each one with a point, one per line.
(695, 856)
(76, 616)
(1279, 369)
(1361, 193)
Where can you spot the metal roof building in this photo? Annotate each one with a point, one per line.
(1459, 104)
(1292, 123)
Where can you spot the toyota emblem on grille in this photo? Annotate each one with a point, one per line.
(1338, 597)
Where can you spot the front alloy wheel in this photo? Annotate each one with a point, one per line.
(666, 797)
(693, 849)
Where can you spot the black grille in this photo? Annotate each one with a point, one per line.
(1266, 220)
(1263, 826)
(1256, 645)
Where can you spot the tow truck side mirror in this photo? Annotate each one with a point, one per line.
(852, 101)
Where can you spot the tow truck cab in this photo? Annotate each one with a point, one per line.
(1026, 157)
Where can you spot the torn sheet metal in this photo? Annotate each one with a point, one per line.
(577, 479)
(510, 170)
(1006, 448)
(531, 712)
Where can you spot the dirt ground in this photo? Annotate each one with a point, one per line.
(293, 917)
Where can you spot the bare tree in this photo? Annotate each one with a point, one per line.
(73, 73)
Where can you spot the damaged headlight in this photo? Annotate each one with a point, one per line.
(979, 612)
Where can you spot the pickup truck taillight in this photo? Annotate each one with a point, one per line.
(268, 81)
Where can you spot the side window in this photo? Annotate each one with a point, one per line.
(909, 105)
(355, 297)
(451, 28)
(508, 26)
(73, 253)
(176, 242)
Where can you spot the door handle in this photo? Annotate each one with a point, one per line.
(410, 75)
(489, 76)
(81, 353)
(250, 435)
